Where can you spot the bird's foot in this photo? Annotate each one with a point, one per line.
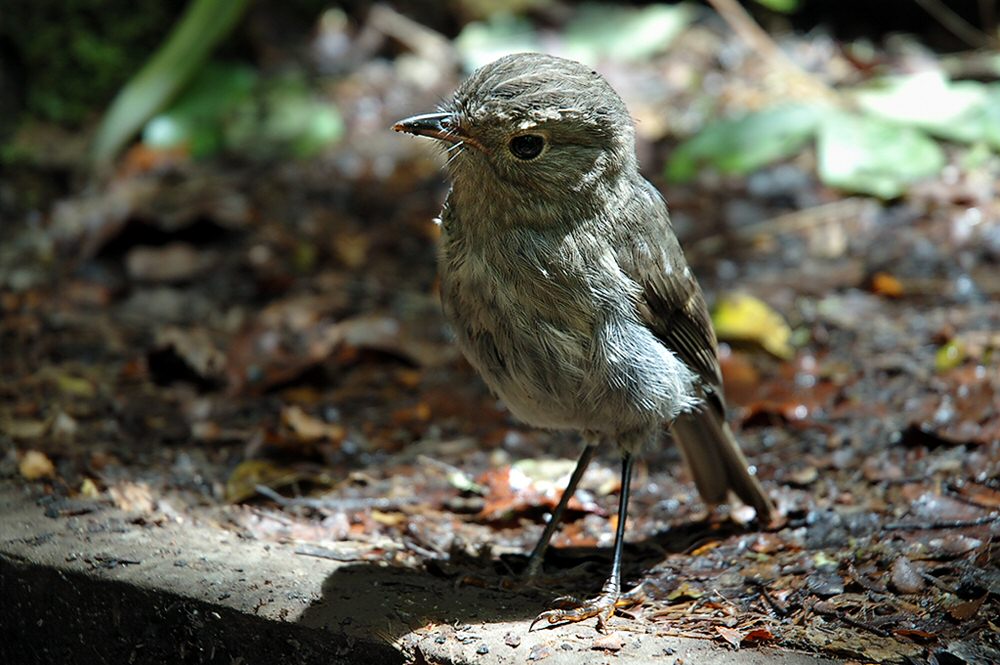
(573, 610)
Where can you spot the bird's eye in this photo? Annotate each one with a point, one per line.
(527, 146)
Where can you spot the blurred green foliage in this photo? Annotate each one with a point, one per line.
(196, 118)
(230, 108)
(783, 6)
(163, 76)
(880, 141)
(869, 155)
(76, 53)
(745, 144)
(595, 31)
(961, 111)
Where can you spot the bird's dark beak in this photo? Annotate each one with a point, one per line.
(441, 126)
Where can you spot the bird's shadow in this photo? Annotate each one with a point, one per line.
(391, 601)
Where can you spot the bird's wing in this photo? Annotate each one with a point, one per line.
(671, 302)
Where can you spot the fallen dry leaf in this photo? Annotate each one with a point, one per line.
(685, 591)
(242, 482)
(132, 497)
(731, 635)
(308, 428)
(35, 465)
(886, 285)
(968, 609)
(539, 652)
(758, 635)
(89, 489)
(192, 348)
(388, 519)
(612, 642)
(916, 635)
(743, 318)
(175, 262)
(904, 577)
(23, 428)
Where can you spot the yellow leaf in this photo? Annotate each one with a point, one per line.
(75, 385)
(706, 548)
(35, 465)
(24, 428)
(243, 481)
(743, 318)
(89, 489)
(686, 590)
(950, 356)
(885, 284)
(308, 428)
(388, 519)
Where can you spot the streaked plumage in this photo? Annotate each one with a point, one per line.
(563, 278)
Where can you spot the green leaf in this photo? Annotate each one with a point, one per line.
(622, 33)
(742, 145)
(782, 6)
(964, 111)
(926, 99)
(980, 124)
(196, 119)
(228, 108)
(482, 42)
(286, 119)
(203, 25)
(869, 155)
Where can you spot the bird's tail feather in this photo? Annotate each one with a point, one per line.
(716, 461)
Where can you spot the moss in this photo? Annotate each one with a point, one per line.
(75, 54)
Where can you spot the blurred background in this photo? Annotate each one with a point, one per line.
(217, 273)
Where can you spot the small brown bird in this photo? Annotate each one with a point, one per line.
(566, 286)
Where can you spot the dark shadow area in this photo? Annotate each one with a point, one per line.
(393, 601)
(53, 616)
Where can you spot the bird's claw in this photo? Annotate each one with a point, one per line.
(572, 610)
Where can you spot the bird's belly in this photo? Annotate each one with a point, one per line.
(562, 367)
(538, 368)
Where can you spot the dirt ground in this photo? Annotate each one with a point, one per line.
(257, 350)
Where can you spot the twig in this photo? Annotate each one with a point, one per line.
(320, 552)
(835, 212)
(822, 608)
(757, 39)
(346, 505)
(934, 581)
(957, 25)
(988, 16)
(416, 36)
(771, 602)
(953, 489)
(943, 524)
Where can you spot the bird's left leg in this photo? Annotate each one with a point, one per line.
(538, 554)
(611, 597)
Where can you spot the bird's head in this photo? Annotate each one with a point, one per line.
(532, 127)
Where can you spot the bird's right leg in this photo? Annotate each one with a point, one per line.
(538, 554)
(611, 597)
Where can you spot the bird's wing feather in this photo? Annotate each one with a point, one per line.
(671, 301)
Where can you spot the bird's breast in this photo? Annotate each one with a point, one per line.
(552, 335)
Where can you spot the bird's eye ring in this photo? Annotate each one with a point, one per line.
(526, 146)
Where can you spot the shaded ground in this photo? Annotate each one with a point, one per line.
(183, 338)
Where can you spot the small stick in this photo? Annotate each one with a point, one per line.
(771, 602)
(820, 608)
(956, 25)
(756, 38)
(944, 524)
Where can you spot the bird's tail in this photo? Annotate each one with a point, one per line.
(716, 461)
